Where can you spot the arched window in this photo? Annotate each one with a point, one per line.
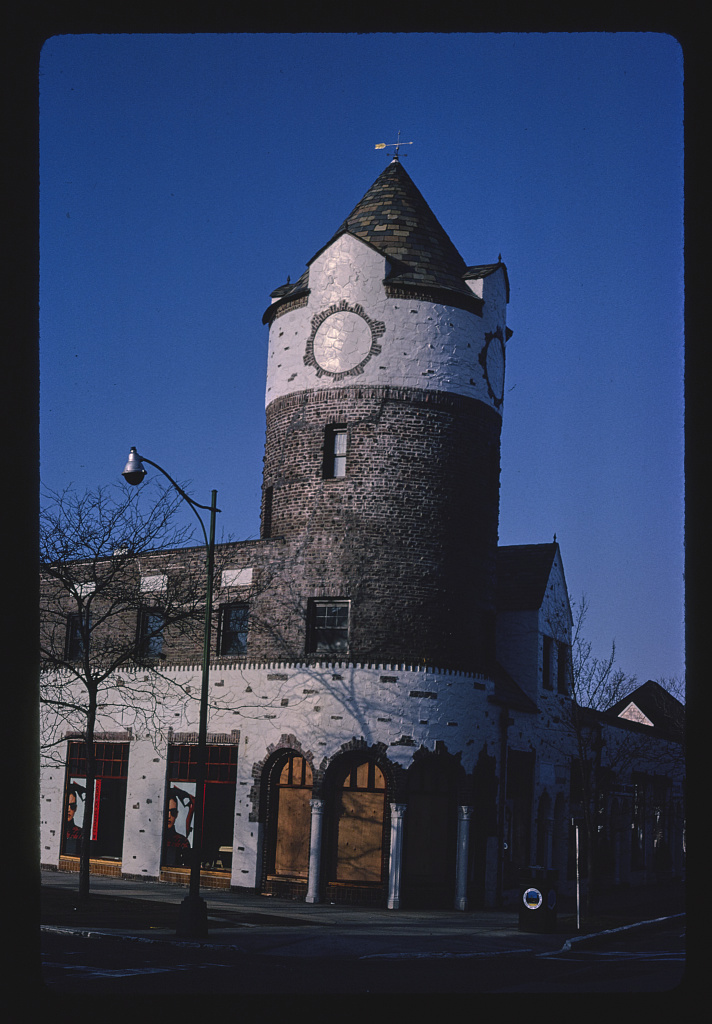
(290, 817)
(360, 807)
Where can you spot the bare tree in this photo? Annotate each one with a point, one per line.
(93, 547)
(596, 682)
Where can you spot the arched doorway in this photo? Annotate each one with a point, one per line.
(289, 783)
(357, 792)
(430, 834)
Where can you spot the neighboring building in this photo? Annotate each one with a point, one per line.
(390, 690)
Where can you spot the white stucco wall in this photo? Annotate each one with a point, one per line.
(145, 802)
(424, 345)
(323, 707)
(52, 783)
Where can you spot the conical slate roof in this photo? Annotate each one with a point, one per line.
(395, 219)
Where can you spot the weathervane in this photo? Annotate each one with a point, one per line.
(382, 145)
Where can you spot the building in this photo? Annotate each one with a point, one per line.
(390, 689)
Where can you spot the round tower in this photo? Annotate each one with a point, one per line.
(381, 473)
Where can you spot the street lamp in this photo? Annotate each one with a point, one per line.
(193, 912)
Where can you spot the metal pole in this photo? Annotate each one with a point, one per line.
(193, 912)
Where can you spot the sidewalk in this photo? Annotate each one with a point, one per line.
(148, 911)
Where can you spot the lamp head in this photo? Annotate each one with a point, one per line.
(133, 471)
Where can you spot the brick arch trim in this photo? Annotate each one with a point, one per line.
(394, 773)
(260, 770)
(451, 762)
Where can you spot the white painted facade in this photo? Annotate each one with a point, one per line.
(425, 345)
(402, 707)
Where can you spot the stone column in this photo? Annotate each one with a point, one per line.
(394, 866)
(317, 815)
(464, 814)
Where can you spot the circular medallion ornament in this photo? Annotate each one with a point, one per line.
(342, 340)
(532, 899)
(492, 359)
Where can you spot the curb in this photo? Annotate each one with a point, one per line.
(191, 944)
(85, 933)
(568, 945)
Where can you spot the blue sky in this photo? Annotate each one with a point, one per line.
(183, 177)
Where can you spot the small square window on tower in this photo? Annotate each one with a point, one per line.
(335, 443)
(328, 627)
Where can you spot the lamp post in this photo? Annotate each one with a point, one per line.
(193, 911)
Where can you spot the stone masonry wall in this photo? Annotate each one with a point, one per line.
(409, 534)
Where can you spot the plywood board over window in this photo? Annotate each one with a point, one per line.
(360, 831)
(294, 790)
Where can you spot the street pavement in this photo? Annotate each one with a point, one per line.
(145, 911)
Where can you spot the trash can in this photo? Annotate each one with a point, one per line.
(538, 898)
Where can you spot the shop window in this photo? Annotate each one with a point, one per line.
(109, 800)
(335, 445)
(232, 629)
(328, 627)
(218, 806)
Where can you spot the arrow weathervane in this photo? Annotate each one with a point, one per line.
(382, 145)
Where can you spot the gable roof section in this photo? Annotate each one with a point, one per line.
(523, 571)
(664, 711)
(476, 273)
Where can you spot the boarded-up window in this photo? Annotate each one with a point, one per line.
(292, 794)
(360, 827)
